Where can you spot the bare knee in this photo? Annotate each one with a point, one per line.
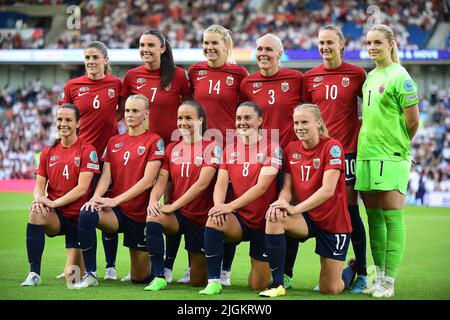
(331, 289)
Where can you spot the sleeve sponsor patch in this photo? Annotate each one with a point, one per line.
(335, 151)
(215, 160)
(93, 156)
(408, 85)
(93, 166)
(411, 97)
(335, 161)
(276, 161)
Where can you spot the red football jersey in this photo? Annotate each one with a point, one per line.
(62, 166)
(97, 101)
(243, 163)
(277, 96)
(128, 157)
(217, 90)
(336, 93)
(164, 103)
(184, 163)
(307, 167)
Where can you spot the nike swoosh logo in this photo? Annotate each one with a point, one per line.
(138, 87)
(255, 91)
(82, 94)
(200, 78)
(211, 256)
(233, 160)
(377, 183)
(265, 255)
(52, 164)
(115, 150)
(175, 159)
(106, 238)
(317, 84)
(141, 245)
(84, 250)
(349, 179)
(274, 269)
(337, 253)
(294, 162)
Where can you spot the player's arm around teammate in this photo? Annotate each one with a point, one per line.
(390, 116)
(131, 163)
(251, 165)
(315, 171)
(63, 183)
(191, 165)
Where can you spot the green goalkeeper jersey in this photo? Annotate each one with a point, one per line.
(383, 134)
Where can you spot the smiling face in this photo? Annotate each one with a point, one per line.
(268, 53)
(306, 126)
(214, 49)
(378, 46)
(150, 50)
(94, 63)
(247, 121)
(188, 121)
(66, 123)
(135, 113)
(330, 45)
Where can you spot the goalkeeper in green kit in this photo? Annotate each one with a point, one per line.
(390, 119)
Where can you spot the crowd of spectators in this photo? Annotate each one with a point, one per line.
(26, 126)
(431, 149)
(118, 23)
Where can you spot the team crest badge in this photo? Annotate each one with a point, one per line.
(316, 163)
(381, 89)
(230, 80)
(111, 93)
(198, 161)
(141, 80)
(345, 82)
(285, 86)
(77, 161)
(140, 150)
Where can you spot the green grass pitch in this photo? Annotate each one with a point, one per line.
(423, 273)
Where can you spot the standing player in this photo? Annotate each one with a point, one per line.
(131, 163)
(97, 94)
(390, 120)
(164, 84)
(63, 184)
(216, 86)
(251, 164)
(335, 86)
(191, 164)
(315, 171)
(278, 91)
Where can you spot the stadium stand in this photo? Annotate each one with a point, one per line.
(296, 22)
